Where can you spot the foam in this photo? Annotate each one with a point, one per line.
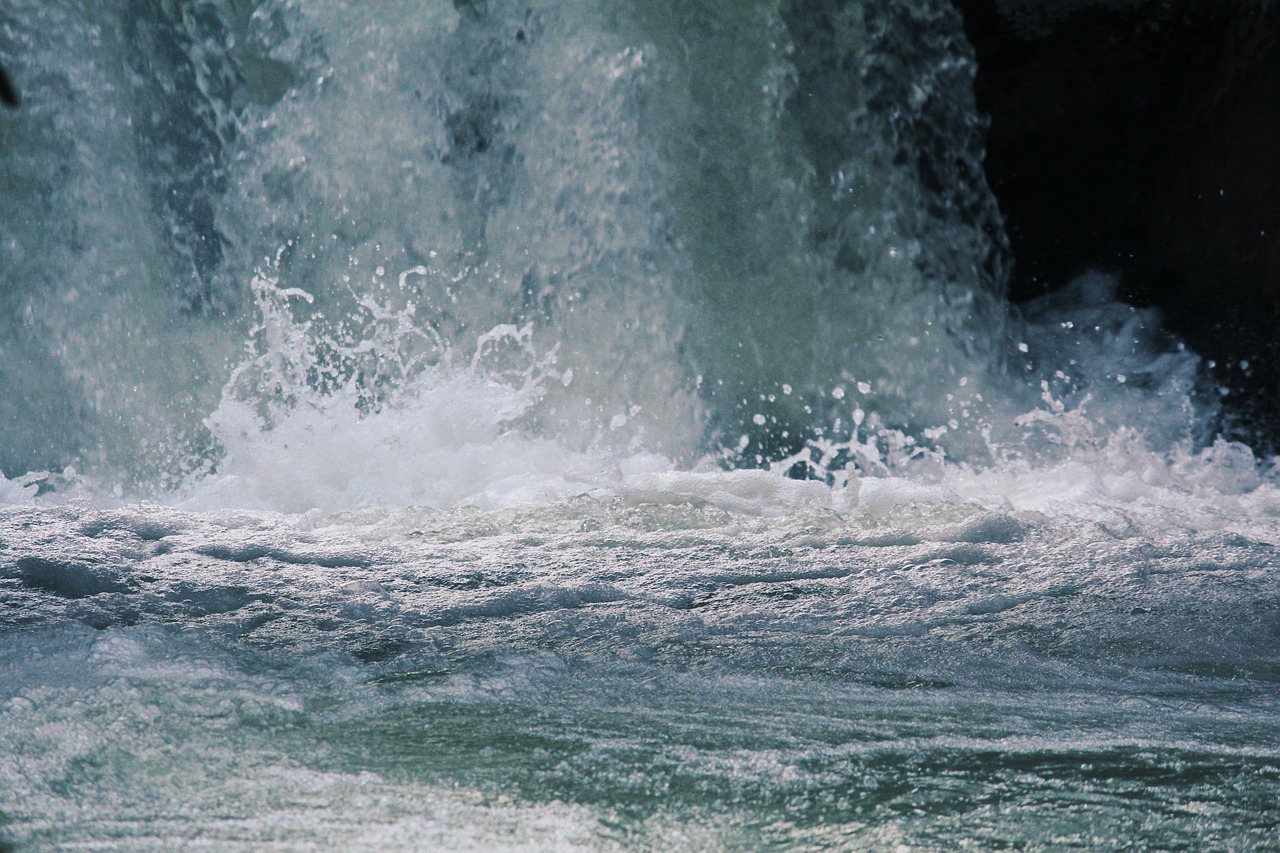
(440, 434)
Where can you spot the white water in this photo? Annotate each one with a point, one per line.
(374, 434)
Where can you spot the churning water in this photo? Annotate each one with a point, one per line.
(588, 425)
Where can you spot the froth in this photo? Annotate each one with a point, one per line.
(379, 412)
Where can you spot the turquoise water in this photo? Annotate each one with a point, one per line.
(616, 673)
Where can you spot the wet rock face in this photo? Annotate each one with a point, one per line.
(1141, 137)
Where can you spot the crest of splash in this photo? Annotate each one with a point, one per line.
(380, 410)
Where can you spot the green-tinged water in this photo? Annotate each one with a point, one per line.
(576, 677)
(547, 755)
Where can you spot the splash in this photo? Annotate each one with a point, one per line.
(489, 252)
(379, 410)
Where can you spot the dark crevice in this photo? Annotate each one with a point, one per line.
(10, 98)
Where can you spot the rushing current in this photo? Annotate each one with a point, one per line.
(588, 425)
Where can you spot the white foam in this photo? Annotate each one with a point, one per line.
(443, 446)
(301, 430)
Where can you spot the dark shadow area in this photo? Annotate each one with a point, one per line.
(9, 97)
(1140, 139)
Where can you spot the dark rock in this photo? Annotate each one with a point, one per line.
(1138, 137)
